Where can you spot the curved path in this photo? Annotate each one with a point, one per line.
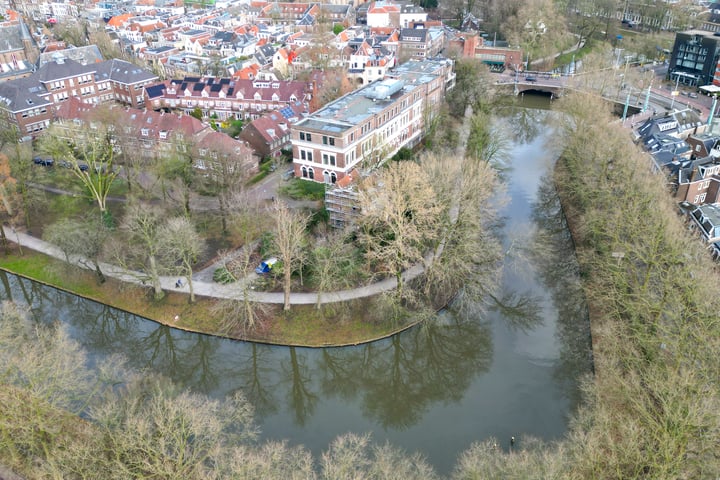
(213, 289)
(204, 285)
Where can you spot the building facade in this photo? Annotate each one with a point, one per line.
(694, 58)
(364, 128)
(226, 98)
(29, 104)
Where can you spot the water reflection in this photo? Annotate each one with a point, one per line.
(435, 389)
(395, 381)
(560, 274)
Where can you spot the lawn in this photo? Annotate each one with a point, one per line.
(337, 324)
(299, 189)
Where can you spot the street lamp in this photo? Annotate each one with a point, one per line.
(674, 93)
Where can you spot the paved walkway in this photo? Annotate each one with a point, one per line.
(203, 283)
(208, 288)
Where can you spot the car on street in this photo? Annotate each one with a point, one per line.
(530, 79)
(44, 161)
(692, 95)
(83, 167)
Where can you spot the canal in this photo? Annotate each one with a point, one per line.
(510, 369)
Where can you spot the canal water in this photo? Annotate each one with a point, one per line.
(510, 370)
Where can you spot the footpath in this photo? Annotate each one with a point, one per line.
(208, 288)
(203, 284)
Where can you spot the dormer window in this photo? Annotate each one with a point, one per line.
(163, 134)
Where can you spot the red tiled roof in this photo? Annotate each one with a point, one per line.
(119, 20)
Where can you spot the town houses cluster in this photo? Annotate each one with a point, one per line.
(190, 66)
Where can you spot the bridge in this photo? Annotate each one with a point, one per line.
(546, 82)
(634, 99)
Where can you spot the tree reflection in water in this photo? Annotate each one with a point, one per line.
(301, 398)
(398, 379)
(256, 373)
(553, 253)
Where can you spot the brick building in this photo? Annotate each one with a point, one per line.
(28, 104)
(226, 98)
(364, 128)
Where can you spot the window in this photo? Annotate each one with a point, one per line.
(699, 198)
(328, 140)
(333, 177)
(302, 135)
(144, 132)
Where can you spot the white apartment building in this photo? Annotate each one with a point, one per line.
(366, 127)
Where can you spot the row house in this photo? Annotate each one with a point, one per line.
(367, 64)
(193, 40)
(226, 98)
(141, 30)
(269, 134)
(148, 135)
(398, 15)
(17, 50)
(158, 54)
(29, 104)
(420, 43)
(366, 127)
(387, 38)
(698, 181)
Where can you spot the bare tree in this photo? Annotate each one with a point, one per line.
(80, 239)
(22, 171)
(177, 165)
(143, 224)
(289, 240)
(154, 432)
(247, 224)
(399, 223)
(90, 152)
(538, 28)
(333, 265)
(352, 456)
(182, 246)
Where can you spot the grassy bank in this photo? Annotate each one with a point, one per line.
(303, 325)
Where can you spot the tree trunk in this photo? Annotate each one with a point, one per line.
(3, 239)
(286, 287)
(155, 279)
(99, 273)
(190, 286)
(223, 215)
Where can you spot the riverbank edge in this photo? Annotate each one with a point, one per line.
(571, 215)
(201, 298)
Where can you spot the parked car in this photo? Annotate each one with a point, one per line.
(530, 79)
(692, 95)
(266, 265)
(83, 167)
(44, 161)
(287, 175)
